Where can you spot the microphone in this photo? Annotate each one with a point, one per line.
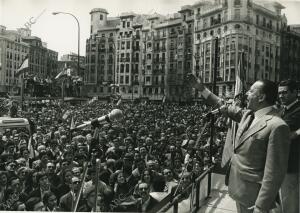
(114, 115)
(215, 111)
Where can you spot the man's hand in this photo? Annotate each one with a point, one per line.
(195, 82)
(257, 210)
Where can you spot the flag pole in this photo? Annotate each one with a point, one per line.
(22, 92)
(63, 90)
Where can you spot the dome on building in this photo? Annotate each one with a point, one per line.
(101, 10)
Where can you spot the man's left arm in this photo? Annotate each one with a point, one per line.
(275, 166)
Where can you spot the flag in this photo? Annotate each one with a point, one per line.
(63, 73)
(23, 68)
(30, 148)
(163, 100)
(238, 100)
(119, 101)
(239, 79)
(72, 125)
(66, 114)
(69, 72)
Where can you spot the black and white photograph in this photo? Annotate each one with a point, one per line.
(177, 106)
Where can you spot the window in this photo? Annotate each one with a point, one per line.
(237, 3)
(237, 14)
(128, 24)
(101, 17)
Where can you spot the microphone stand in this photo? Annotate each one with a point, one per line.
(184, 170)
(81, 186)
(98, 164)
(83, 177)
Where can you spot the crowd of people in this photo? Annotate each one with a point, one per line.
(115, 165)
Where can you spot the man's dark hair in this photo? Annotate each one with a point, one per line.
(291, 84)
(270, 89)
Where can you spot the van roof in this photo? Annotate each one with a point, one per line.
(13, 122)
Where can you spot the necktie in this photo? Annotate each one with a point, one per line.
(283, 111)
(244, 126)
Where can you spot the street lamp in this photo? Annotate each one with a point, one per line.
(78, 47)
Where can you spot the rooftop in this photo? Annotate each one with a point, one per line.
(101, 10)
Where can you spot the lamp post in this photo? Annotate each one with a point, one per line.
(78, 38)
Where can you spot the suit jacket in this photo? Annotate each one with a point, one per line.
(37, 192)
(67, 202)
(292, 118)
(152, 203)
(260, 158)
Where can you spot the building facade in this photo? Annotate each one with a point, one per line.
(12, 53)
(100, 54)
(154, 53)
(290, 53)
(241, 27)
(14, 47)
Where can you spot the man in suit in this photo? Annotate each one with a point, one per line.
(289, 192)
(146, 203)
(67, 201)
(43, 186)
(260, 158)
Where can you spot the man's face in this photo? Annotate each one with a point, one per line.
(144, 190)
(254, 96)
(44, 181)
(3, 179)
(15, 184)
(11, 149)
(168, 174)
(286, 97)
(52, 201)
(50, 168)
(75, 184)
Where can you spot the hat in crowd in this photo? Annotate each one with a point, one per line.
(22, 169)
(81, 139)
(41, 148)
(150, 163)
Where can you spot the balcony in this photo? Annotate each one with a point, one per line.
(135, 60)
(210, 9)
(173, 35)
(163, 48)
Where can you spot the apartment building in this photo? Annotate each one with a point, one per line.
(290, 53)
(153, 53)
(241, 27)
(12, 53)
(101, 54)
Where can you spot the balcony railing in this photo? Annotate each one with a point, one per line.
(171, 201)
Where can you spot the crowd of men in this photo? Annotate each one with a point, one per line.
(156, 147)
(142, 153)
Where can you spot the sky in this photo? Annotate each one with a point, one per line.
(60, 31)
